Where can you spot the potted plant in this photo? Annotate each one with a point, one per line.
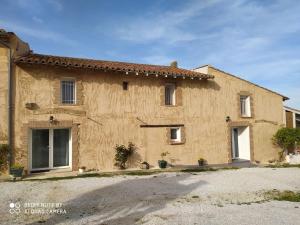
(145, 165)
(201, 161)
(16, 170)
(163, 163)
(82, 169)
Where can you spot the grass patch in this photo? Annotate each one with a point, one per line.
(192, 170)
(104, 174)
(289, 196)
(72, 177)
(134, 173)
(229, 168)
(207, 169)
(141, 172)
(283, 165)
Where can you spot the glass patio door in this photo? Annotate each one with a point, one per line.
(40, 149)
(60, 147)
(50, 149)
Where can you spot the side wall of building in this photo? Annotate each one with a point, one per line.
(4, 64)
(266, 116)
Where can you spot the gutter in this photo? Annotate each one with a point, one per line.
(9, 119)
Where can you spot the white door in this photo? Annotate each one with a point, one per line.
(50, 149)
(240, 143)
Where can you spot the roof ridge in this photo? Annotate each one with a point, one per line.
(101, 60)
(35, 58)
(236, 76)
(291, 108)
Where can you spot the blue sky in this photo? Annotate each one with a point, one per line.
(256, 40)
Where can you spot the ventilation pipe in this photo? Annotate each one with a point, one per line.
(174, 64)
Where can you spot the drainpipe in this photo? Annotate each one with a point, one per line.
(9, 119)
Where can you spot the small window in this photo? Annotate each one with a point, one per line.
(125, 85)
(170, 94)
(68, 93)
(175, 134)
(245, 106)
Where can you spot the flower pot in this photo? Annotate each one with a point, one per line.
(144, 166)
(81, 170)
(16, 172)
(162, 164)
(201, 162)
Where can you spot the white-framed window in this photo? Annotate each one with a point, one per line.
(170, 94)
(68, 91)
(245, 106)
(175, 134)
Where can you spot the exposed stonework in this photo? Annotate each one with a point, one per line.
(229, 136)
(168, 136)
(246, 93)
(178, 92)
(57, 91)
(21, 154)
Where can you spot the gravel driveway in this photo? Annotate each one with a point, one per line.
(222, 197)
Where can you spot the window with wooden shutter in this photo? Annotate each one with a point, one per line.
(245, 106)
(170, 94)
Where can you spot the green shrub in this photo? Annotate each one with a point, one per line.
(163, 155)
(123, 153)
(289, 196)
(286, 138)
(4, 148)
(17, 166)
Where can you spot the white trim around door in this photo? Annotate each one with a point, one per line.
(45, 149)
(240, 142)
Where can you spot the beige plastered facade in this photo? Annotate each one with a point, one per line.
(107, 115)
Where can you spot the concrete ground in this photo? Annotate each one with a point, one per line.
(220, 197)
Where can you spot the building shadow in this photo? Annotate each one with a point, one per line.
(125, 202)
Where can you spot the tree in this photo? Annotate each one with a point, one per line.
(286, 138)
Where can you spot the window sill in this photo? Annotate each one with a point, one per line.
(171, 105)
(176, 143)
(62, 104)
(246, 117)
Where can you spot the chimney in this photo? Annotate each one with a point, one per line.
(174, 64)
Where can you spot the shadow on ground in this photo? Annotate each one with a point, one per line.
(126, 202)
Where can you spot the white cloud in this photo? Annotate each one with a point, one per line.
(248, 32)
(56, 4)
(37, 33)
(37, 20)
(157, 59)
(37, 6)
(167, 26)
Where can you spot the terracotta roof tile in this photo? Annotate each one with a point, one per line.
(108, 65)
